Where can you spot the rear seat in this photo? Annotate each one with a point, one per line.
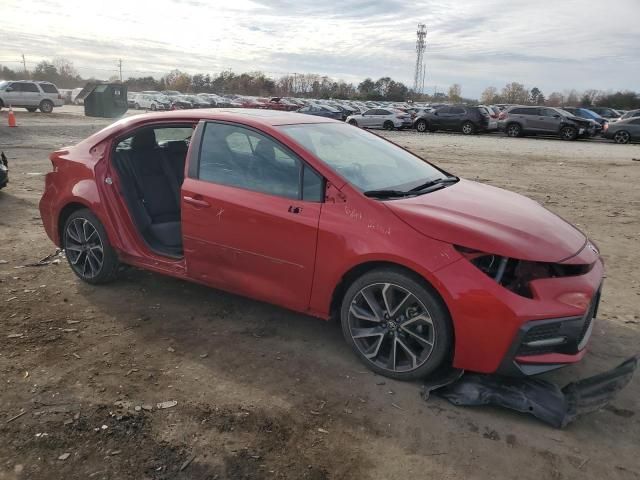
(157, 188)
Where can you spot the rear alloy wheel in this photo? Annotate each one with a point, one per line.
(353, 122)
(88, 251)
(421, 126)
(622, 137)
(388, 125)
(568, 133)
(514, 130)
(46, 106)
(468, 128)
(395, 325)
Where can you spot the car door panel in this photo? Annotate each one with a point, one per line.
(253, 243)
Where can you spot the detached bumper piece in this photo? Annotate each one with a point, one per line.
(544, 400)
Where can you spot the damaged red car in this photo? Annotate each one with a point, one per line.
(422, 268)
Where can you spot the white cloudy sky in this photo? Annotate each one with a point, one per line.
(552, 44)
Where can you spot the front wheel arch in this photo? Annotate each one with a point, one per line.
(357, 271)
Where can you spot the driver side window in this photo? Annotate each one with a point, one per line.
(243, 158)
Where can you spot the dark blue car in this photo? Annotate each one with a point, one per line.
(322, 111)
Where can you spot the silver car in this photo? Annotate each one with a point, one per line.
(624, 131)
(387, 118)
(30, 95)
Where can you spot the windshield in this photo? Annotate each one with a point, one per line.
(367, 161)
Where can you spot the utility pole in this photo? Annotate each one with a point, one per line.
(120, 68)
(24, 63)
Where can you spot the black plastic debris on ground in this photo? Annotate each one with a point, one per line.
(544, 400)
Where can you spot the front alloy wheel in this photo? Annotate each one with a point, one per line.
(421, 126)
(396, 327)
(622, 137)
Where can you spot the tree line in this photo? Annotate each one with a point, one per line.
(62, 72)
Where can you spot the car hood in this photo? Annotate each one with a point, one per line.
(491, 220)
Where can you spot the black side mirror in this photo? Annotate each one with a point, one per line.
(557, 115)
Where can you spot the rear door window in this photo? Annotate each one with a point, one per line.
(49, 88)
(457, 110)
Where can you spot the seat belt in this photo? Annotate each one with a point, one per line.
(166, 168)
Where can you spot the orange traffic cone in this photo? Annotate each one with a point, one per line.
(12, 118)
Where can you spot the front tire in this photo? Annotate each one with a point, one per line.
(87, 247)
(514, 130)
(153, 107)
(46, 106)
(568, 133)
(395, 324)
(622, 137)
(421, 126)
(388, 125)
(353, 122)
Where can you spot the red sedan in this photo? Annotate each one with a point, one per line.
(421, 267)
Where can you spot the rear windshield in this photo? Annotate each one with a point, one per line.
(49, 88)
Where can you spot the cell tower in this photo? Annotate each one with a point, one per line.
(421, 45)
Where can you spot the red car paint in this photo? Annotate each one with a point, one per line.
(298, 261)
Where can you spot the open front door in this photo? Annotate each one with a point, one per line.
(246, 225)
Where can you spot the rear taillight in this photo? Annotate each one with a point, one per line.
(502, 115)
(59, 97)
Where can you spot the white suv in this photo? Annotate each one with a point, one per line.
(150, 101)
(30, 95)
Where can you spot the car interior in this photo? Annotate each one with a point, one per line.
(151, 165)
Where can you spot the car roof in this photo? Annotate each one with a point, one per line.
(246, 116)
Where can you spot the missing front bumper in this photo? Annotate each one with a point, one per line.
(544, 400)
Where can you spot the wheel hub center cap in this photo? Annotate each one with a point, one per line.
(392, 325)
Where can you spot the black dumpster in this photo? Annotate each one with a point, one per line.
(104, 99)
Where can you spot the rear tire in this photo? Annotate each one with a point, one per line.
(568, 133)
(153, 107)
(137, 106)
(87, 248)
(403, 314)
(421, 126)
(622, 137)
(46, 106)
(468, 128)
(388, 125)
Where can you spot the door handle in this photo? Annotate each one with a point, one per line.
(196, 202)
(293, 209)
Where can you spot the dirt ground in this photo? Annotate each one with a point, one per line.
(265, 393)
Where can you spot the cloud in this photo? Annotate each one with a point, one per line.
(549, 44)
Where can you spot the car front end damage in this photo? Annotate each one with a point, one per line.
(521, 318)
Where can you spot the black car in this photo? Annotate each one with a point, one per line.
(4, 170)
(459, 118)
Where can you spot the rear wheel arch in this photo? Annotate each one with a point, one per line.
(66, 212)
